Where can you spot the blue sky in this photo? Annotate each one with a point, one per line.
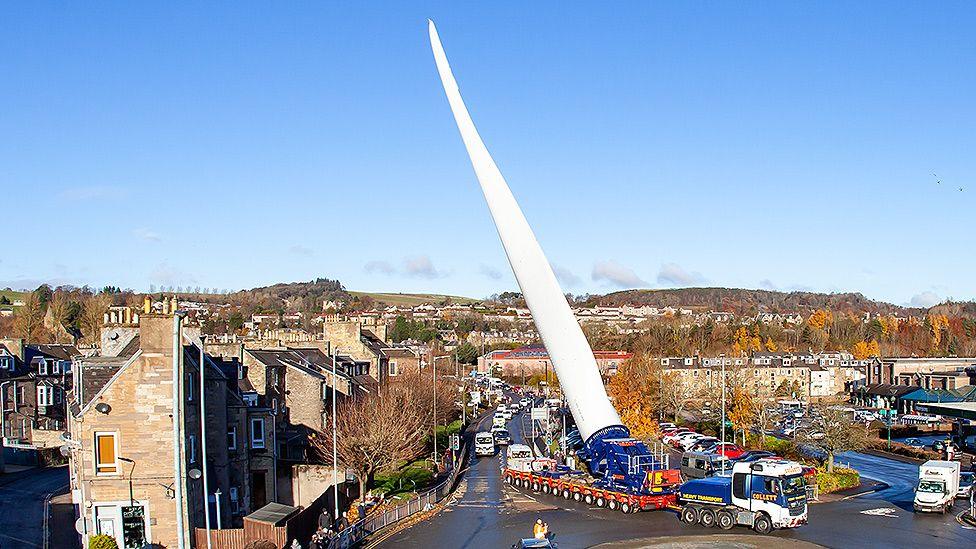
(746, 145)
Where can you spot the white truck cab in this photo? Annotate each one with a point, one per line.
(773, 487)
(938, 483)
(484, 444)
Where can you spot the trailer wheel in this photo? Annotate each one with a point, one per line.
(612, 504)
(600, 502)
(566, 493)
(725, 520)
(577, 496)
(625, 508)
(707, 518)
(535, 486)
(545, 489)
(689, 515)
(762, 525)
(588, 499)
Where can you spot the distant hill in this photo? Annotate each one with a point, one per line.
(410, 300)
(743, 301)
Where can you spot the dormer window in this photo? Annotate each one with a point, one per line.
(42, 367)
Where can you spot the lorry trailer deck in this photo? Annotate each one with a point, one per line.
(662, 487)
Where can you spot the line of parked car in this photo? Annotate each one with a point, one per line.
(688, 440)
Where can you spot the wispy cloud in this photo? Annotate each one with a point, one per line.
(91, 192)
(31, 284)
(617, 275)
(298, 249)
(148, 235)
(490, 272)
(673, 274)
(767, 284)
(925, 299)
(379, 266)
(420, 266)
(165, 274)
(566, 277)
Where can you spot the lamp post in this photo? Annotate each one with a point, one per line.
(203, 443)
(722, 357)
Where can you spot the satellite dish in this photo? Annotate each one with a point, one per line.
(65, 451)
(194, 474)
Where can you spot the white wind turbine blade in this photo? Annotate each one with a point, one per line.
(572, 358)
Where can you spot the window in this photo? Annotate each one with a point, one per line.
(190, 385)
(42, 367)
(65, 366)
(45, 395)
(235, 506)
(19, 394)
(192, 448)
(250, 398)
(232, 437)
(257, 432)
(6, 362)
(106, 454)
(394, 371)
(56, 367)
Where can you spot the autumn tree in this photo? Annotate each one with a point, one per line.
(635, 391)
(832, 432)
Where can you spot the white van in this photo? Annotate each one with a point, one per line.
(498, 419)
(938, 483)
(484, 444)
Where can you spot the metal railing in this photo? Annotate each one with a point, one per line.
(358, 531)
(813, 493)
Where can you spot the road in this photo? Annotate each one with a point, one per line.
(22, 504)
(490, 513)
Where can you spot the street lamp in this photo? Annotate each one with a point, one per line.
(722, 357)
(433, 362)
(335, 451)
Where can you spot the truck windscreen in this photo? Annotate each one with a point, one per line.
(931, 486)
(794, 484)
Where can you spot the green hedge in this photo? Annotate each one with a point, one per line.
(841, 479)
(101, 541)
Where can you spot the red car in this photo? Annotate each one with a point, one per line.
(727, 449)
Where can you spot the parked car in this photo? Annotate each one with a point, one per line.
(670, 438)
(753, 455)
(502, 437)
(703, 444)
(728, 450)
(533, 543)
(663, 426)
(689, 440)
(701, 465)
(965, 485)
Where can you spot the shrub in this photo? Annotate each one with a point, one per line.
(102, 541)
(841, 479)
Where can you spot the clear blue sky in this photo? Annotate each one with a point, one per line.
(235, 145)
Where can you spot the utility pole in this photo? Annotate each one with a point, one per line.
(722, 356)
(335, 451)
(177, 427)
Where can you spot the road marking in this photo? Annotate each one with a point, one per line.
(962, 522)
(881, 512)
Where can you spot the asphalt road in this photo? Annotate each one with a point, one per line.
(490, 513)
(22, 504)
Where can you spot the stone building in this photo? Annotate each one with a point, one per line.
(530, 360)
(34, 379)
(122, 437)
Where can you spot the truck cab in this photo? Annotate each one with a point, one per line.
(938, 484)
(763, 494)
(484, 444)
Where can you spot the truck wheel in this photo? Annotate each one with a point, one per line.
(577, 496)
(612, 504)
(707, 518)
(600, 502)
(566, 493)
(689, 515)
(588, 499)
(762, 525)
(625, 508)
(725, 520)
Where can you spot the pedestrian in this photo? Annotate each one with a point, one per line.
(538, 529)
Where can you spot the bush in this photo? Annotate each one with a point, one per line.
(841, 479)
(101, 541)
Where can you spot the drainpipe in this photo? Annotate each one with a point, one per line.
(177, 431)
(203, 443)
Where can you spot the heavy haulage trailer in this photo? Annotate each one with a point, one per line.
(623, 468)
(659, 494)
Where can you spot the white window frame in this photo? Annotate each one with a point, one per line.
(232, 436)
(258, 443)
(393, 370)
(235, 504)
(42, 367)
(45, 395)
(56, 367)
(96, 464)
(18, 394)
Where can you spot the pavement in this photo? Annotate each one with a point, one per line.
(23, 497)
(710, 542)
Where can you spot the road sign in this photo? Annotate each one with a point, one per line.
(540, 413)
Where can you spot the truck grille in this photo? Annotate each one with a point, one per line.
(797, 509)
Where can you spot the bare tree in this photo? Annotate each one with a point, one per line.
(377, 431)
(676, 392)
(833, 432)
(58, 312)
(92, 316)
(29, 322)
